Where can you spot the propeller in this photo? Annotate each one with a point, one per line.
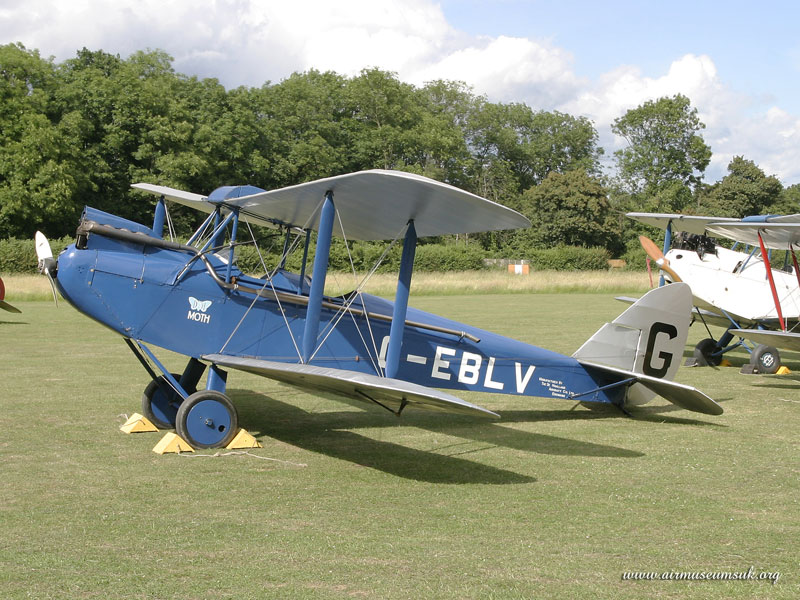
(656, 254)
(3, 304)
(47, 264)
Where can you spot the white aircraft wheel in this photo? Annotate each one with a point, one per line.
(160, 407)
(703, 353)
(766, 359)
(207, 419)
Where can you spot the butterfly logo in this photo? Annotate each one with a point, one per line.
(201, 305)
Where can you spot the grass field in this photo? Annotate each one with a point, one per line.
(552, 501)
(36, 287)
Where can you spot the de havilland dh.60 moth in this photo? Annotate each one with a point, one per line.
(191, 298)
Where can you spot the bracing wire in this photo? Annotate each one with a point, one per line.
(268, 282)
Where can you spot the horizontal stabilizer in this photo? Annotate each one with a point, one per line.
(392, 394)
(778, 339)
(679, 394)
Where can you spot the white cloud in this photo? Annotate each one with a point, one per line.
(736, 125)
(508, 69)
(249, 42)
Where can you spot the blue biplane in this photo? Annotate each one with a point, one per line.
(193, 299)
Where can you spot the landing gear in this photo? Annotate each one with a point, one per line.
(704, 354)
(160, 402)
(207, 419)
(765, 359)
(161, 399)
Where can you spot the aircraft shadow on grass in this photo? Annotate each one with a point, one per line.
(780, 382)
(330, 433)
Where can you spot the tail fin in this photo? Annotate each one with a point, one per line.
(645, 343)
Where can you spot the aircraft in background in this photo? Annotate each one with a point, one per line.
(3, 304)
(773, 233)
(191, 298)
(734, 289)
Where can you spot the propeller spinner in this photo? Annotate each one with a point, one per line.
(656, 254)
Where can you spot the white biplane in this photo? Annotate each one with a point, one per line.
(740, 290)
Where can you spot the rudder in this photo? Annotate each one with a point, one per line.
(647, 339)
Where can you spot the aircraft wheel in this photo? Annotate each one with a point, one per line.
(704, 353)
(207, 419)
(766, 359)
(159, 407)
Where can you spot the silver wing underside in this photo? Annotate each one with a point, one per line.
(778, 339)
(688, 223)
(392, 394)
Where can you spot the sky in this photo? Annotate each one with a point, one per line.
(738, 62)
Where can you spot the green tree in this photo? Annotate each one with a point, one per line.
(665, 157)
(41, 162)
(744, 191)
(531, 144)
(300, 128)
(444, 154)
(789, 203)
(569, 209)
(384, 117)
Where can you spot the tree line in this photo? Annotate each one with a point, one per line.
(79, 132)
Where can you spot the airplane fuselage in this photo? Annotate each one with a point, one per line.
(736, 283)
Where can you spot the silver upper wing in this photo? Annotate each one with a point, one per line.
(372, 205)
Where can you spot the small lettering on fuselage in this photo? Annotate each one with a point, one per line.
(198, 316)
(198, 309)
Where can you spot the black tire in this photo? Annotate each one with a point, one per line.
(766, 359)
(704, 353)
(160, 408)
(207, 419)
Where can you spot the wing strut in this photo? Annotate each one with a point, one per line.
(667, 244)
(775, 298)
(401, 301)
(324, 234)
(794, 263)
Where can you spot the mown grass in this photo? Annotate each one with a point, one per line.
(552, 501)
(33, 287)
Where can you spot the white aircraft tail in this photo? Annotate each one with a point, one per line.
(645, 344)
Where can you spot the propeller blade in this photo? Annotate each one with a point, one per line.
(656, 254)
(43, 250)
(10, 308)
(47, 264)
